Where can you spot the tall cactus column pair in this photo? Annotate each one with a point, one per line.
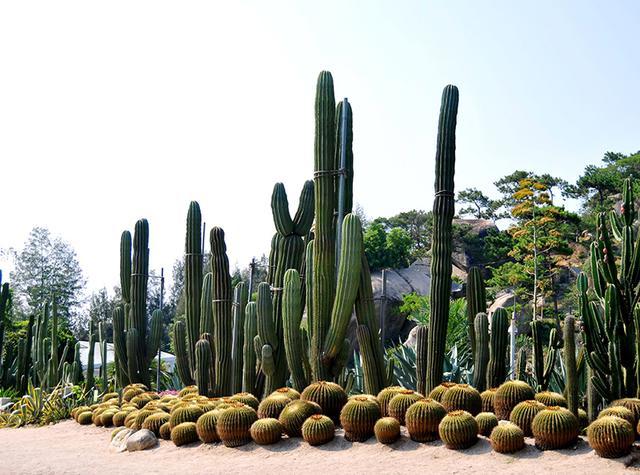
(443, 210)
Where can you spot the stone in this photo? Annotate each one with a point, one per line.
(119, 441)
(141, 440)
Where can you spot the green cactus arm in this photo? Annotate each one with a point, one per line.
(349, 269)
(268, 362)
(257, 349)
(303, 218)
(496, 371)
(476, 303)
(125, 266)
(308, 277)
(371, 375)
(273, 257)
(291, 319)
(203, 364)
(206, 309)
(348, 171)
(179, 344)
(89, 379)
(193, 277)
(443, 211)
(63, 357)
(421, 359)
(616, 225)
(571, 368)
(280, 210)
(119, 341)
(264, 313)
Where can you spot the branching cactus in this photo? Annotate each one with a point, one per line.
(443, 211)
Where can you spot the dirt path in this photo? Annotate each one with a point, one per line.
(70, 448)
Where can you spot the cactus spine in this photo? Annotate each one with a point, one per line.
(497, 368)
(443, 210)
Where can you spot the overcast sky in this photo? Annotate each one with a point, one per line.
(112, 111)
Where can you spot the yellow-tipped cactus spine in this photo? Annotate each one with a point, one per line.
(387, 430)
(358, 417)
(318, 430)
(458, 430)
(507, 438)
(423, 418)
(611, 436)
(555, 428)
(266, 431)
(619, 411)
(549, 398)
(439, 391)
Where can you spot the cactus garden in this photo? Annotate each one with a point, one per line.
(519, 352)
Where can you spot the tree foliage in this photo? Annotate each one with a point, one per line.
(384, 249)
(478, 205)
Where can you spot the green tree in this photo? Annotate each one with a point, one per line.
(509, 185)
(417, 224)
(478, 205)
(384, 249)
(47, 268)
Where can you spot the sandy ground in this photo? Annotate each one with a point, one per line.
(70, 448)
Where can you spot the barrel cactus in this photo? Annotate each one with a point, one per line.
(358, 417)
(486, 422)
(329, 396)
(522, 415)
(184, 433)
(400, 403)
(272, 406)
(555, 428)
(507, 438)
(165, 431)
(155, 421)
(423, 418)
(118, 418)
(295, 413)
(266, 431)
(439, 391)
(462, 397)
(234, 424)
(631, 403)
(508, 395)
(458, 430)
(611, 436)
(286, 391)
(318, 430)
(189, 413)
(549, 398)
(618, 411)
(387, 430)
(385, 396)
(246, 398)
(487, 397)
(85, 418)
(206, 427)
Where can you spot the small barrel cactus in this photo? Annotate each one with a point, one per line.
(387, 430)
(246, 398)
(266, 431)
(462, 397)
(272, 406)
(523, 413)
(140, 418)
(555, 428)
(189, 413)
(508, 395)
(295, 413)
(85, 418)
(438, 392)
(611, 436)
(289, 392)
(549, 398)
(193, 389)
(631, 403)
(234, 424)
(423, 418)
(329, 396)
(583, 418)
(400, 403)
(618, 411)
(358, 417)
(155, 421)
(318, 430)
(507, 438)
(385, 396)
(486, 422)
(458, 430)
(184, 433)
(119, 417)
(206, 427)
(107, 417)
(487, 399)
(165, 431)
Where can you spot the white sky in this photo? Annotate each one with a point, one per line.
(111, 111)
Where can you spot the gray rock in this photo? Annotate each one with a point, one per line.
(119, 441)
(141, 440)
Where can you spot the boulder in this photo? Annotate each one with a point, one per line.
(119, 441)
(141, 440)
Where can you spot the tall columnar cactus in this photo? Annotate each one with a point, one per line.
(240, 297)
(182, 361)
(249, 370)
(136, 340)
(481, 356)
(103, 358)
(476, 303)
(421, 359)
(571, 388)
(443, 211)
(291, 318)
(272, 347)
(543, 365)
(193, 278)
(611, 320)
(221, 294)
(89, 379)
(203, 358)
(4, 301)
(497, 368)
